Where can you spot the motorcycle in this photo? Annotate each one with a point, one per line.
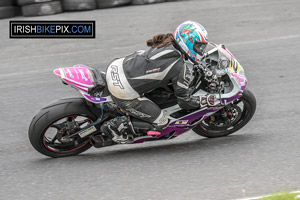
(72, 125)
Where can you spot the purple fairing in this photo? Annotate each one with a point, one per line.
(94, 99)
(188, 122)
(193, 118)
(176, 128)
(185, 123)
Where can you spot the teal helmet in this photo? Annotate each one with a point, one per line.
(191, 37)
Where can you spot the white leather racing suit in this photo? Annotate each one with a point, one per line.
(129, 78)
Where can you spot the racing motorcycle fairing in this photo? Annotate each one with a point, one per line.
(79, 123)
(178, 126)
(236, 74)
(80, 78)
(234, 68)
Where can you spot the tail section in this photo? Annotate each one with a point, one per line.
(80, 77)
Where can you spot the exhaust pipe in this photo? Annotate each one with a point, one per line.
(98, 141)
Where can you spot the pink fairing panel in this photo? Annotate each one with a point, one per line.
(80, 77)
(241, 79)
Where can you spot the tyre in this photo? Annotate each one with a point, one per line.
(142, 2)
(49, 129)
(112, 3)
(28, 2)
(76, 5)
(229, 119)
(6, 3)
(40, 9)
(7, 12)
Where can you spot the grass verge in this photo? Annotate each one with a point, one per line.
(282, 196)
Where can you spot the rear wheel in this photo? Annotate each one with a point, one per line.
(50, 129)
(229, 119)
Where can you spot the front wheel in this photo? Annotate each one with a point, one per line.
(50, 128)
(229, 119)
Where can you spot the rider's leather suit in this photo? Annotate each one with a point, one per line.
(129, 78)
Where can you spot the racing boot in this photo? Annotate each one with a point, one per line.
(142, 128)
(120, 129)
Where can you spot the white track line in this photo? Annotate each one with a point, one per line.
(260, 197)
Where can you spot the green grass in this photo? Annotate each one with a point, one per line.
(282, 196)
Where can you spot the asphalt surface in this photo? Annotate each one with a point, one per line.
(262, 158)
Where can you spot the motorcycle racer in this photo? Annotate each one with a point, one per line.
(148, 96)
(129, 78)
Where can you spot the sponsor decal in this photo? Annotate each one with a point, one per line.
(87, 131)
(95, 99)
(178, 122)
(121, 127)
(82, 75)
(138, 113)
(234, 66)
(115, 77)
(153, 70)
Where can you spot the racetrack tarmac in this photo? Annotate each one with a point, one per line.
(261, 158)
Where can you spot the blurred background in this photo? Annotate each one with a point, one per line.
(261, 158)
(12, 8)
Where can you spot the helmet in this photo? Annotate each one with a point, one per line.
(191, 38)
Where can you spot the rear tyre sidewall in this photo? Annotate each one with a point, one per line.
(249, 98)
(50, 114)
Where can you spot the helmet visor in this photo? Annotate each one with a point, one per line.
(199, 47)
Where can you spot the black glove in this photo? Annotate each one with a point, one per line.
(207, 100)
(96, 91)
(99, 83)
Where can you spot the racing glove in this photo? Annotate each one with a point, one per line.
(207, 100)
(99, 83)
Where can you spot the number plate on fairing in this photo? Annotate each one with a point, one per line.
(234, 66)
(87, 131)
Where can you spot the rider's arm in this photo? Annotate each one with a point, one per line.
(181, 88)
